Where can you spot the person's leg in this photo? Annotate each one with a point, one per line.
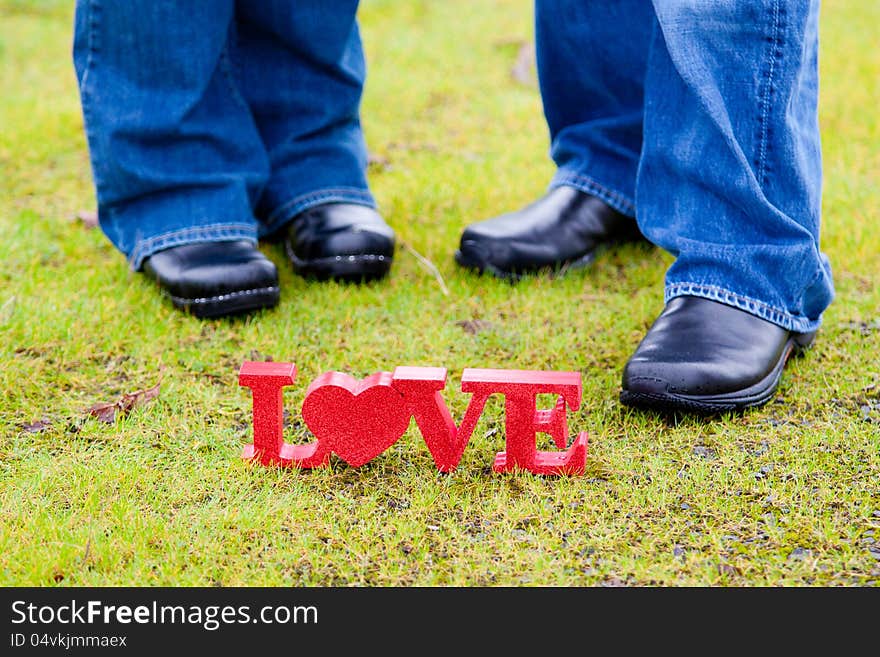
(175, 153)
(176, 157)
(730, 183)
(591, 67)
(301, 69)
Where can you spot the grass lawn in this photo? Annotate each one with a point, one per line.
(788, 494)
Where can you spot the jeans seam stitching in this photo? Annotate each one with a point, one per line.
(761, 170)
(90, 59)
(228, 75)
(92, 46)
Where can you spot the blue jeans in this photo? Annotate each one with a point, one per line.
(700, 119)
(220, 120)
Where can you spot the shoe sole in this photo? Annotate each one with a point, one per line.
(351, 268)
(753, 396)
(468, 261)
(233, 303)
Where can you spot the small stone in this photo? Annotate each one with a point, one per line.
(685, 506)
(703, 452)
(799, 554)
(678, 551)
(528, 521)
(522, 535)
(397, 504)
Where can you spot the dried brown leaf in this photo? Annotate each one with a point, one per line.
(37, 426)
(105, 412)
(108, 412)
(130, 401)
(475, 326)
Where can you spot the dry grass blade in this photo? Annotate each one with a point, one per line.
(523, 70)
(430, 266)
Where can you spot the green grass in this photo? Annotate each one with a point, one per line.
(784, 495)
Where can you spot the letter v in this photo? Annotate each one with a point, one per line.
(420, 387)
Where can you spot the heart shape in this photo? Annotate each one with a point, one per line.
(356, 419)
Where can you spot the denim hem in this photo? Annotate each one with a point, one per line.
(287, 211)
(615, 199)
(211, 233)
(773, 315)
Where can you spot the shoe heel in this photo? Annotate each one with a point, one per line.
(803, 341)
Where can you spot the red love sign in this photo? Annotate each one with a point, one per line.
(358, 420)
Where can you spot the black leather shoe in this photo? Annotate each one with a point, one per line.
(704, 357)
(213, 279)
(565, 228)
(342, 241)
